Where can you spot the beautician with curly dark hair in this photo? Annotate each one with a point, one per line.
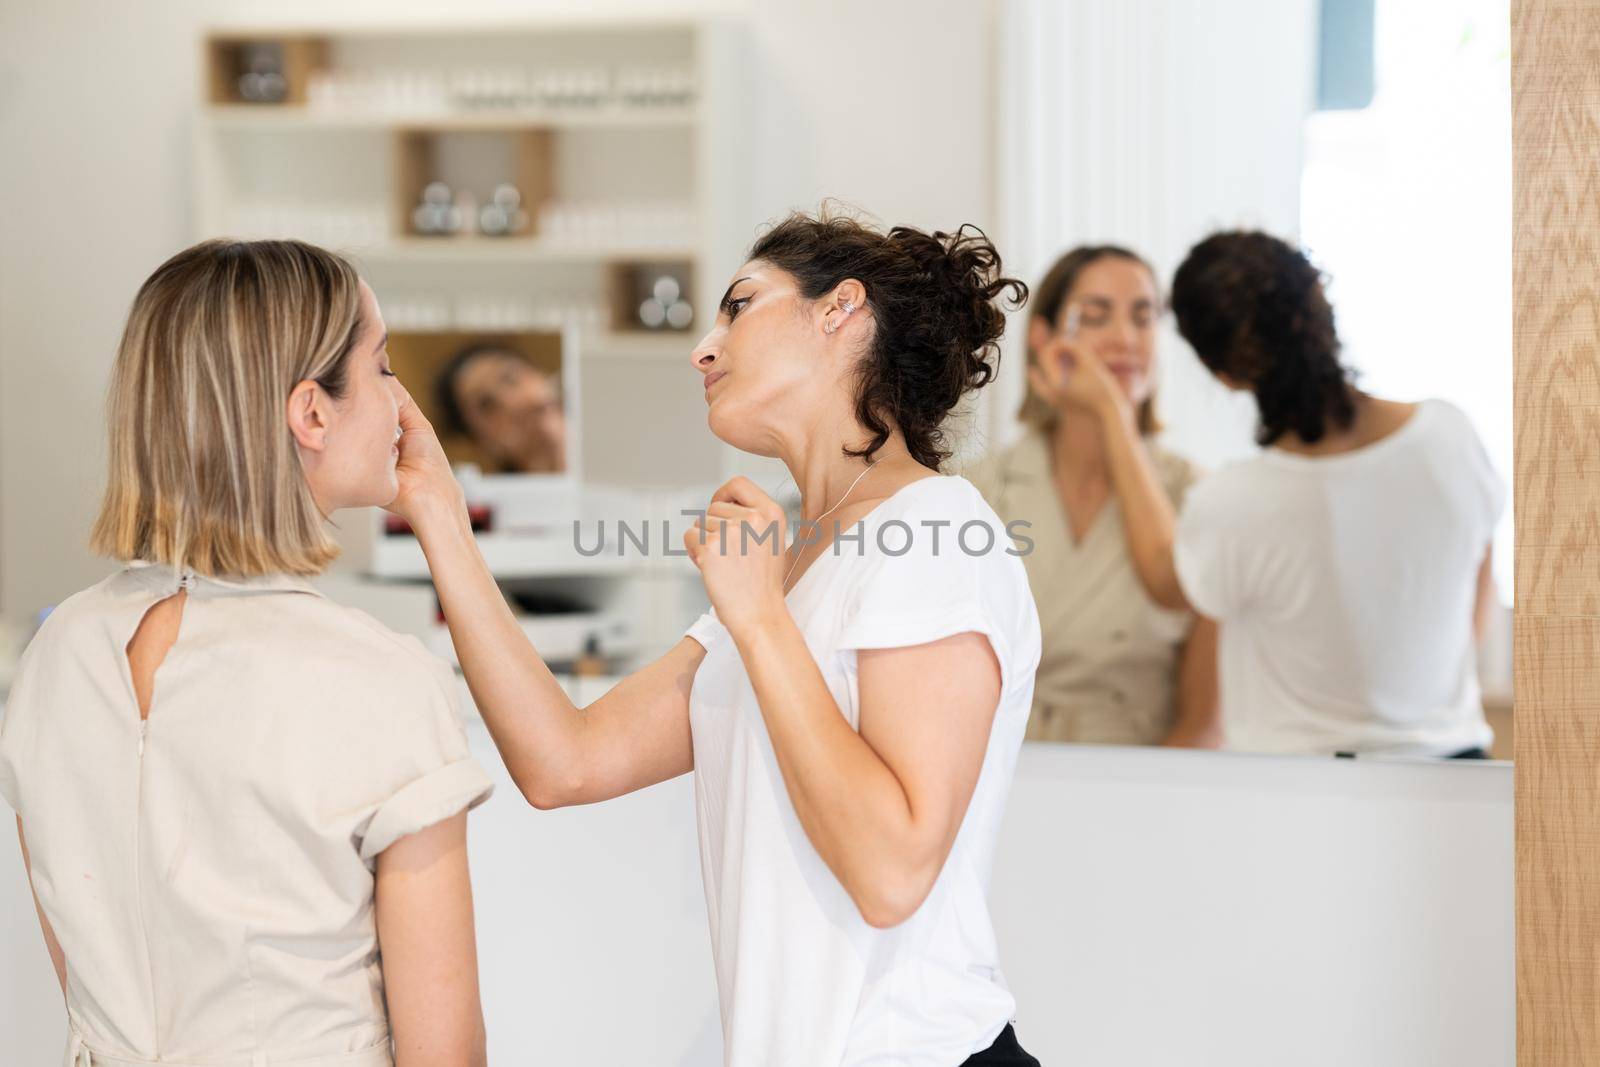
(1348, 562)
(853, 707)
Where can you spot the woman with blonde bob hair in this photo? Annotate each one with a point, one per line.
(231, 792)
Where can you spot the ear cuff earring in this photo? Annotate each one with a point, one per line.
(833, 324)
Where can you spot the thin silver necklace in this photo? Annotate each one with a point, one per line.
(825, 514)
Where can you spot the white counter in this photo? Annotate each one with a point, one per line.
(1172, 908)
(1154, 908)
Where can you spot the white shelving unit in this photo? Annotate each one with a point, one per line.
(257, 116)
(605, 128)
(445, 251)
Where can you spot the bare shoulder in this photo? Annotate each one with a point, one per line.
(902, 475)
(1390, 415)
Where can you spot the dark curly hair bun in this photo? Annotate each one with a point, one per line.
(1253, 307)
(934, 299)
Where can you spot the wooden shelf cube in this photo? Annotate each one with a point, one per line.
(294, 59)
(476, 161)
(634, 284)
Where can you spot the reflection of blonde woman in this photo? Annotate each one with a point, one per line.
(233, 790)
(1117, 668)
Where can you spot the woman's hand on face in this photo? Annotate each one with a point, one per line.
(427, 485)
(738, 547)
(1072, 377)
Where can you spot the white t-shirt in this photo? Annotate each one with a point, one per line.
(1345, 587)
(804, 981)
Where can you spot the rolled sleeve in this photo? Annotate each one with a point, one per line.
(1200, 558)
(1197, 575)
(899, 629)
(919, 598)
(457, 786)
(706, 629)
(424, 768)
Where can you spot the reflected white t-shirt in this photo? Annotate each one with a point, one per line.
(804, 981)
(1345, 588)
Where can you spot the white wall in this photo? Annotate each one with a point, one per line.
(886, 104)
(885, 107)
(1150, 123)
(1153, 908)
(95, 102)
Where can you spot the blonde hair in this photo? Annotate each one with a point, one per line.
(1048, 297)
(203, 470)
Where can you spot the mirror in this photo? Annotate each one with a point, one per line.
(554, 325)
(502, 406)
(1355, 604)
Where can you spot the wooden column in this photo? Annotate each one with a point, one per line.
(1555, 99)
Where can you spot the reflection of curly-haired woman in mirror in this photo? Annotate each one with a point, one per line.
(512, 410)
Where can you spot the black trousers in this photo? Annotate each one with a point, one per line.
(1005, 1052)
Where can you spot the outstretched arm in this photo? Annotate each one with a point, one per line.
(557, 753)
(1148, 520)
